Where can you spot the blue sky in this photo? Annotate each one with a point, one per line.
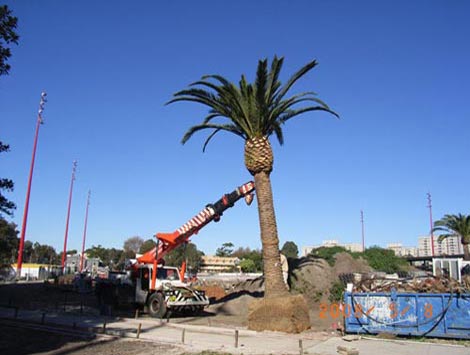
(396, 71)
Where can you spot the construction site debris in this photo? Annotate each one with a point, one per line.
(373, 283)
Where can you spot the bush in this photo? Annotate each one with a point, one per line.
(336, 292)
(378, 258)
(247, 265)
(384, 260)
(328, 253)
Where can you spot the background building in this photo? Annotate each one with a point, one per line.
(400, 250)
(211, 263)
(449, 246)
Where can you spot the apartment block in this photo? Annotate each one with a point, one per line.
(401, 250)
(449, 246)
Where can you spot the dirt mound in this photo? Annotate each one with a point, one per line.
(213, 292)
(345, 264)
(235, 304)
(253, 285)
(285, 314)
(311, 277)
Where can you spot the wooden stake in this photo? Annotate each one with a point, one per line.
(236, 338)
(182, 335)
(104, 326)
(139, 328)
(301, 347)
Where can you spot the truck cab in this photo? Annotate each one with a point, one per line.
(170, 294)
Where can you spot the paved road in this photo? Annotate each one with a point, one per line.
(197, 338)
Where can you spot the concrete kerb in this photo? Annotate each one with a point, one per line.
(199, 337)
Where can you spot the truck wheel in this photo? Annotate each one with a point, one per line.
(156, 305)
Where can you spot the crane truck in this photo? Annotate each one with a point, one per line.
(161, 289)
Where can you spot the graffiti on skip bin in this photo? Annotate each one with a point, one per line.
(377, 310)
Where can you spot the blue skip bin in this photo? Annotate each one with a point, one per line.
(445, 315)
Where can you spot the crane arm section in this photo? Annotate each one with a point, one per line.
(212, 212)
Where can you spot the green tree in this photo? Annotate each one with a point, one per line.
(248, 254)
(44, 254)
(240, 252)
(96, 252)
(455, 225)
(6, 206)
(148, 245)
(8, 241)
(328, 253)
(8, 36)
(114, 258)
(290, 250)
(384, 260)
(247, 265)
(132, 246)
(28, 251)
(225, 250)
(254, 112)
(188, 252)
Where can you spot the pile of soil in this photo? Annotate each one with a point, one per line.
(285, 314)
(253, 285)
(236, 304)
(213, 292)
(345, 264)
(312, 277)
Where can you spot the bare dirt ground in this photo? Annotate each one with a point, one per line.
(24, 341)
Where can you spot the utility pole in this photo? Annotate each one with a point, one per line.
(363, 239)
(64, 254)
(39, 121)
(430, 221)
(84, 230)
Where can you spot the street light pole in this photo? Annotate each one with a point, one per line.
(363, 236)
(64, 254)
(84, 230)
(431, 222)
(39, 121)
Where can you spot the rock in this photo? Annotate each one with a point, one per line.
(346, 350)
(351, 337)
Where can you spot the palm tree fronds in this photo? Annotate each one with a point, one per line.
(292, 113)
(209, 138)
(224, 127)
(301, 72)
(255, 109)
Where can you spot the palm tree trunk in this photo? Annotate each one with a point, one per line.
(273, 280)
(466, 252)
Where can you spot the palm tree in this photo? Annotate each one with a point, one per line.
(255, 111)
(455, 225)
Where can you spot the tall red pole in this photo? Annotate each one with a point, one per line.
(28, 190)
(430, 221)
(363, 238)
(84, 230)
(64, 254)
